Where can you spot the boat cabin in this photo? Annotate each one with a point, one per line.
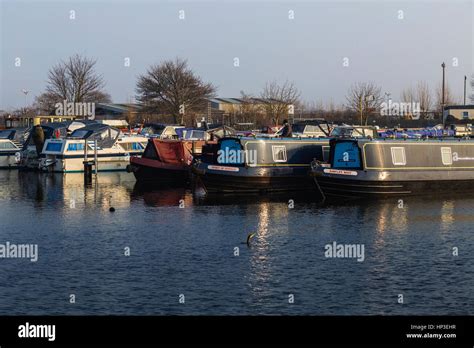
(161, 131)
(346, 131)
(265, 152)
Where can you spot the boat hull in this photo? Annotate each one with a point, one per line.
(386, 184)
(75, 164)
(252, 179)
(8, 160)
(155, 171)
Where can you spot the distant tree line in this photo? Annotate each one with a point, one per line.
(171, 91)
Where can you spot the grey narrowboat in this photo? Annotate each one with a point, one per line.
(391, 167)
(253, 165)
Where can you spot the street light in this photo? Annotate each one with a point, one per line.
(25, 92)
(465, 78)
(442, 92)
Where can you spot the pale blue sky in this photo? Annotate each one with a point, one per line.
(308, 50)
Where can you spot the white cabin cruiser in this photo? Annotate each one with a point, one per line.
(10, 147)
(31, 151)
(113, 149)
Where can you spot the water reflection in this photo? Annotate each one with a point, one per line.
(186, 241)
(159, 195)
(260, 261)
(447, 215)
(44, 189)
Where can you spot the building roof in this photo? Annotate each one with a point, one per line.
(241, 100)
(121, 108)
(459, 107)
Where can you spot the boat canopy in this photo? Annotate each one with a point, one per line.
(346, 131)
(316, 127)
(222, 131)
(76, 124)
(7, 134)
(105, 135)
(418, 133)
(156, 129)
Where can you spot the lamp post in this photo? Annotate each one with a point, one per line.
(25, 92)
(442, 96)
(465, 79)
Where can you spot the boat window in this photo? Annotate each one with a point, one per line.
(75, 147)
(132, 146)
(54, 147)
(7, 134)
(398, 156)
(151, 131)
(298, 128)
(342, 132)
(279, 153)
(195, 134)
(326, 150)
(446, 156)
(346, 154)
(230, 152)
(7, 146)
(80, 133)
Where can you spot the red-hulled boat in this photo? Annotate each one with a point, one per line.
(166, 160)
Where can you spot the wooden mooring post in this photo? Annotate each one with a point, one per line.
(88, 164)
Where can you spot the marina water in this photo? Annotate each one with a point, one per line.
(169, 251)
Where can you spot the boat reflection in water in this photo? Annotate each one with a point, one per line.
(158, 195)
(107, 189)
(408, 249)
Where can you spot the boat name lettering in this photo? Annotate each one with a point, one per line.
(225, 169)
(340, 172)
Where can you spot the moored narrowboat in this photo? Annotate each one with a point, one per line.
(166, 160)
(391, 167)
(169, 159)
(253, 165)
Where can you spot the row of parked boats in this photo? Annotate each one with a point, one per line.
(340, 161)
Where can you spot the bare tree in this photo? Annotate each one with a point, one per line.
(364, 98)
(423, 96)
(449, 98)
(408, 95)
(278, 99)
(172, 87)
(73, 80)
(250, 110)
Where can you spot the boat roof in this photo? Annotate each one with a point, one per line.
(91, 129)
(7, 134)
(263, 139)
(55, 125)
(160, 126)
(407, 140)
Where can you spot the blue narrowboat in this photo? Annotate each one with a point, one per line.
(394, 167)
(253, 165)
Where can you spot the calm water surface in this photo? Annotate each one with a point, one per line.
(190, 251)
